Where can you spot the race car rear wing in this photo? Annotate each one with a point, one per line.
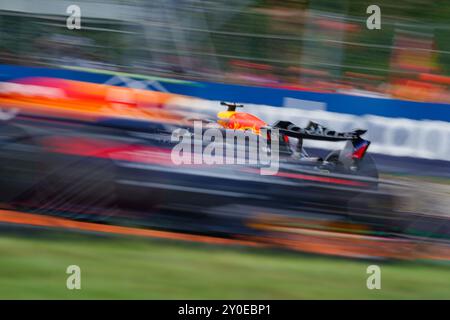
(315, 131)
(355, 148)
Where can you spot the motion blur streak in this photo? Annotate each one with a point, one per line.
(43, 221)
(117, 169)
(357, 122)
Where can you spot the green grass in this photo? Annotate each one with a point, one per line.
(113, 268)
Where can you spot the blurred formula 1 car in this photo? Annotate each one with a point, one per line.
(120, 169)
(352, 159)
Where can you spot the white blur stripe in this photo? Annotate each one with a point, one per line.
(189, 189)
(427, 139)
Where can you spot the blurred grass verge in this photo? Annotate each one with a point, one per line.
(34, 267)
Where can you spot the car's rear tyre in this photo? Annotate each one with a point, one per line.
(366, 167)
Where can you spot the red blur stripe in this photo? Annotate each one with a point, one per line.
(98, 148)
(434, 78)
(321, 179)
